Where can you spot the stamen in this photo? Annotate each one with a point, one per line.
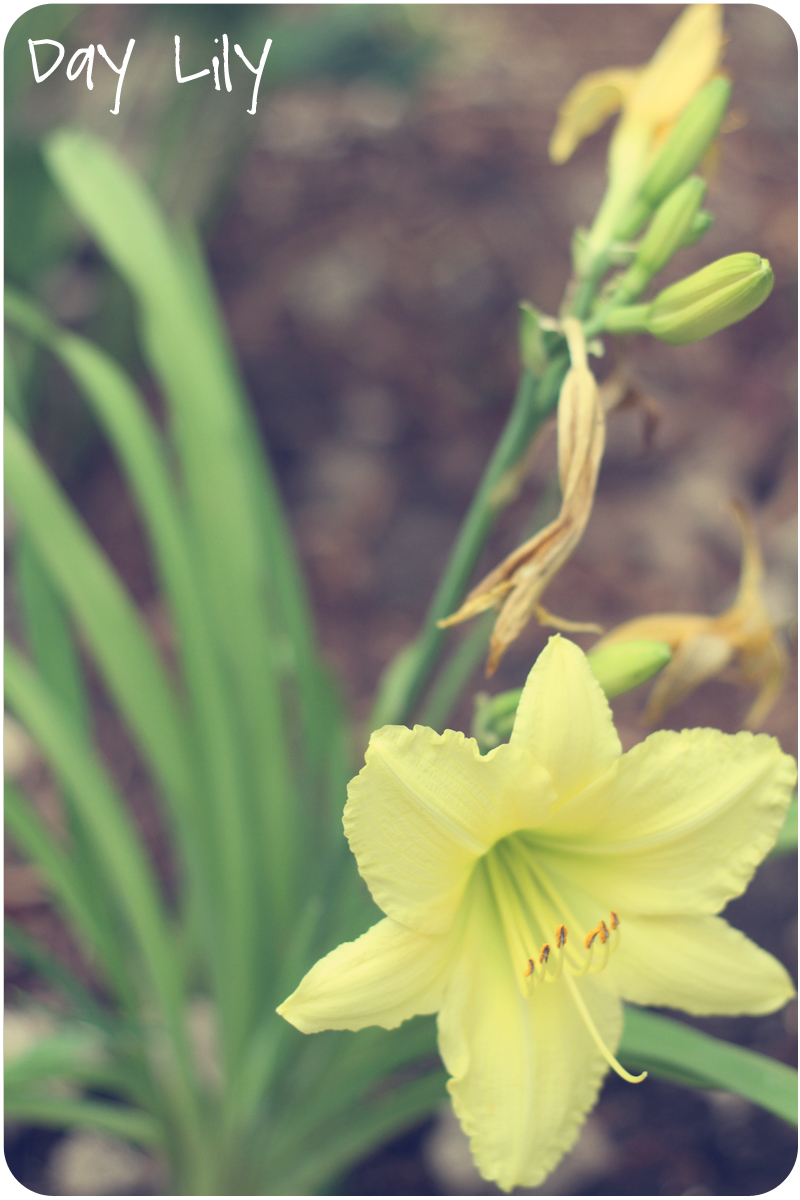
(561, 940)
(598, 1041)
(502, 886)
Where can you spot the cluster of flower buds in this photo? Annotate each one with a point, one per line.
(672, 110)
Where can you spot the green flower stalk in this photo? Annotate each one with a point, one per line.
(718, 295)
(528, 891)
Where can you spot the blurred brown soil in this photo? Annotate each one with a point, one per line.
(370, 259)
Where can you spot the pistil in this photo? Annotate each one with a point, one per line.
(598, 1041)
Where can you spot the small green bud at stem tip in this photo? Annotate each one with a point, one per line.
(720, 294)
(668, 231)
(623, 666)
(693, 133)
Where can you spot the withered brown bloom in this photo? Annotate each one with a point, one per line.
(516, 585)
(741, 642)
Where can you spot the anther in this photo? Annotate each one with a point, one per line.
(529, 968)
(614, 919)
(591, 935)
(544, 954)
(602, 930)
(561, 936)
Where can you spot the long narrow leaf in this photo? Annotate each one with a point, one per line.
(33, 953)
(61, 875)
(676, 1051)
(129, 875)
(116, 1119)
(229, 931)
(213, 443)
(111, 625)
(302, 1172)
(75, 1055)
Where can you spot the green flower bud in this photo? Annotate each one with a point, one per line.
(720, 294)
(624, 665)
(691, 136)
(701, 223)
(668, 231)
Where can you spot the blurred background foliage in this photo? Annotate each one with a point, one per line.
(187, 142)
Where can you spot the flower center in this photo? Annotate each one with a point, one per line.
(529, 903)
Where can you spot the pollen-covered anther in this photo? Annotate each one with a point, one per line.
(537, 970)
(603, 937)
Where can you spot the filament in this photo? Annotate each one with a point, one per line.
(598, 1041)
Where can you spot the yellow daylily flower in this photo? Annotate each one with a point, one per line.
(653, 95)
(529, 891)
(651, 98)
(741, 641)
(517, 584)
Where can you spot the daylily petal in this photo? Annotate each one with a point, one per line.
(426, 806)
(636, 839)
(382, 978)
(524, 1071)
(672, 628)
(564, 719)
(700, 964)
(587, 107)
(700, 657)
(768, 667)
(685, 60)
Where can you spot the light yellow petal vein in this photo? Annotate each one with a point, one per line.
(525, 1071)
(384, 977)
(699, 964)
(425, 807)
(678, 825)
(564, 719)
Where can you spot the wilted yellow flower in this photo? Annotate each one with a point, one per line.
(651, 98)
(529, 890)
(518, 582)
(741, 641)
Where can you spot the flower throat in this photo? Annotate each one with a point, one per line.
(528, 904)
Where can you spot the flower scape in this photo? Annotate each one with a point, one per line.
(528, 892)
